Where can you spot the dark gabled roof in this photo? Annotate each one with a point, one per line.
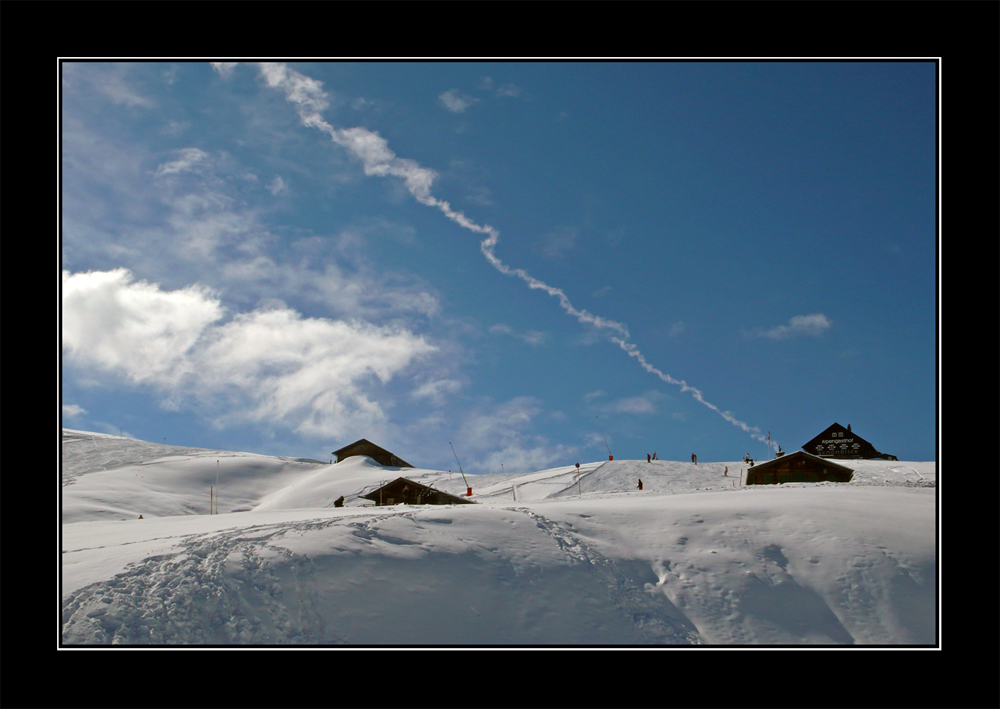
(836, 428)
(798, 467)
(831, 443)
(352, 445)
(825, 462)
(364, 443)
(439, 494)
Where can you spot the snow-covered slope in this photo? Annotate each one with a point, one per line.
(545, 558)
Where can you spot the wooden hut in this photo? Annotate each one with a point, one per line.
(798, 467)
(840, 442)
(377, 453)
(407, 492)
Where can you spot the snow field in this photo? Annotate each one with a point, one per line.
(690, 560)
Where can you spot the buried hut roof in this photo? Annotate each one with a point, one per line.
(798, 467)
(380, 455)
(406, 491)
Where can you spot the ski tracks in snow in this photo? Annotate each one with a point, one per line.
(656, 623)
(223, 588)
(220, 588)
(217, 588)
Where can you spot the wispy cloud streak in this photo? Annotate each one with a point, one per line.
(377, 159)
(799, 326)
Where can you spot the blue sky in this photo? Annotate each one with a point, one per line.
(510, 257)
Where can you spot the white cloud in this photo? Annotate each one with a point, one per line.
(188, 160)
(532, 337)
(644, 404)
(225, 69)
(189, 221)
(134, 328)
(174, 128)
(634, 405)
(484, 428)
(436, 391)
(277, 186)
(508, 90)
(114, 81)
(523, 456)
(355, 290)
(455, 101)
(71, 410)
(496, 437)
(558, 242)
(798, 326)
(314, 374)
(317, 376)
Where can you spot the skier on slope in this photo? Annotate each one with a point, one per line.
(640, 483)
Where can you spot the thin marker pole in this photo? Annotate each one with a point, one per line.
(468, 489)
(603, 436)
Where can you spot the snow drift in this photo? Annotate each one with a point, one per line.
(548, 558)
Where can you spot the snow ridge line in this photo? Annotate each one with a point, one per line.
(569, 488)
(646, 611)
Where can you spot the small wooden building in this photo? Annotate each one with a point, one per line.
(798, 467)
(377, 453)
(840, 442)
(408, 492)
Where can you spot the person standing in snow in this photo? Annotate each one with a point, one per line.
(725, 473)
(640, 483)
(654, 457)
(694, 459)
(647, 457)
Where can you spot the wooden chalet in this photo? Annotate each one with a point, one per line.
(377, 453)
(407, 492)
(798, 467)
(840, 442)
